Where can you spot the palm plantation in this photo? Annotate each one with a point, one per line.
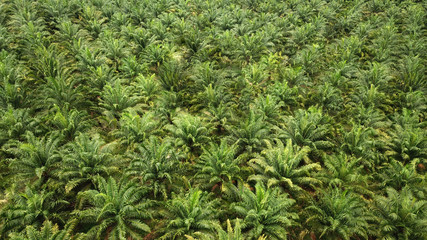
(205, 120)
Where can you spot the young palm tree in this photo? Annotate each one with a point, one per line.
(343, 171)
(85, 159)
(38, 159)
(70, 122)
(13, 92)
(308, 128)
(407, 144)
(265, 212)
(192, 214)
(252, 133)
(61, 92)
(116, 98)
(155, 163)
(401, 215)
(115, 211)
(339, 214)
(231, 234)
(48, 231)
(31, 208)
(134, 128)
(360, 142)
(172, 76)
(282, 166)
(15, 123)
(411, 74)
(398, 175)
(270, 108)
(217, 165)
(189, 132)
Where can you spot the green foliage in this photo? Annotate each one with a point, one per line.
(155, 163)
(115, 210)
(308, 128)
(401, 215)
(36, 160)
(84, 160)
(339, 214)
(191, 214)
(31, 208)
(281, 166)
(265, 212)
(218, 164)
(295, 119)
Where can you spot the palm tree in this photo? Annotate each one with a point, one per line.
(85, 159)
(115, 210)
(192, 214)
(217, 165)
(13, 91)
(287, 95)
(401, 215)
(308, 128)
(343, 171)
(134, 128)
(407, 144)
(411, 73)
(15, 123)
(398, 175)
(265, 212)
(38, 159)
(189, 132)
(360, 142)
(70, 122)
(269, 107)
(117, 98)
(31, 208)
(155, 163)
(252, 133)
(48, 231)
(282, 166)
(172, 76)
(61, 92)
(113, 48)
(339, 214)
(231, 234)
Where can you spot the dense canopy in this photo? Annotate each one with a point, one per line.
(222, 119)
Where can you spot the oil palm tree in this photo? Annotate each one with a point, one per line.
(308, 128)
(265, 212)
(344, 171)
(193, 214)
(218, 164)
(85, 159)
(70, 122)
(360, 142)
(48, 231)
(38, 159)
(282, 166)
(31, 208)
(155, 163)
(189, 132)
(61, 92)
(134, 128)
(15, 123)
(115, 210)
(115, 98)
(339, 214)
(401, 215)
(398, 175)
(251, 133)
(407, 144)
